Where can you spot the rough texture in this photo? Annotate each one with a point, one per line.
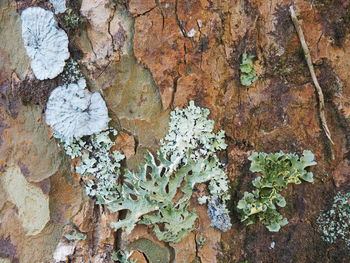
(45, 42)
(172, 51)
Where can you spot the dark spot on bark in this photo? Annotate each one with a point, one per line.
(23, 4)
(335, 18)
(290, 68)
(8, 100)
(203, 44)
(7, 249)
(75, 52)
(283, 26)
(24, 169)
(120, 37)
(3, 126)
(329, 81)
(249, 8)
(34, 91)
(45, 186)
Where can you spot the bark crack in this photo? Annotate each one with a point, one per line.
(179, 23)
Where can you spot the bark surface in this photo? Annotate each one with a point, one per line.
(147, 57)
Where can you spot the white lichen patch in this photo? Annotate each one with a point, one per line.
(63, 250)
(59, 6)
(46, 44)
(190, 131)
(31, 202)
(73, 111)
(191, 33)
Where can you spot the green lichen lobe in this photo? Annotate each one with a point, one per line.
(248, 75)
(277, 171)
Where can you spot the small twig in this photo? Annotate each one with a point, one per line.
(313, 75)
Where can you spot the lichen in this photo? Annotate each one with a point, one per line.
(248, 75)
(187, 156)
(219, 214)
(151, 195)
(59, 6)
(154, 188)
(99, 165)
(71, 72)
(71, 19)
(122, 256)
(190, 131)
(334, 224)
(75, 236)
(46, 44)
(73, 111)
(277, 171)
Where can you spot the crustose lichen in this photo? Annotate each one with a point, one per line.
(334, 224)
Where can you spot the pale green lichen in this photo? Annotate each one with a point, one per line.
(248, 75)
(277, 171)
(152, 194)
(99, 165)
(190, 131)
(71, 19)
(122, 256)
(191, 136)
(154, 189)
(334, 224)
(75, 236)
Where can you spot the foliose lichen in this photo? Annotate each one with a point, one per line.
(187, 156)
(154, 188)
(99, 165)
(122, 256)
(191, 136)
(151, 194)
(59, 6)
(248, 75)
(334, 224)
(71, 20)
(277, 171)
(190, 130)
(73, 111)
(46, 44)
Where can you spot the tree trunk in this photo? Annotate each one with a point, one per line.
(147, 57)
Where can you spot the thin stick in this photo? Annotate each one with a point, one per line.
(312, 72)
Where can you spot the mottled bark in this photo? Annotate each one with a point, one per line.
(148, 57)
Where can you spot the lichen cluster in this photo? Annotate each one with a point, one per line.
(277, 171)
(191, 136)
(158, 193)
(80, 119)
(186, 157)
(334, 224)
(99, 165)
